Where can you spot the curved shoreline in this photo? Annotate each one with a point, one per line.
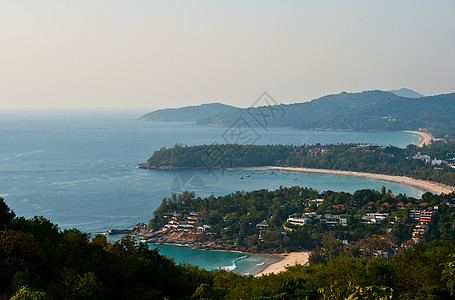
(425, 138)
(278, 265)
(430, 186)
(287, 260)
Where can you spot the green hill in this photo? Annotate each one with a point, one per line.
(188, 113)
(399, 113)
(369, 110)
(293, 114)
(403, 92)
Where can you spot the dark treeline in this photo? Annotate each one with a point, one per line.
(39, 261)
(349, 157)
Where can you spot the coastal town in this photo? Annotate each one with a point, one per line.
(382, 217)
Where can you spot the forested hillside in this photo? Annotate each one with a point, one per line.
(434, 113)
(292, 114)
(348, 157)
(188, 113)
(369, 110)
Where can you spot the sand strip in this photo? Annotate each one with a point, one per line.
(287, 259)
(425, 138)
(430, 186)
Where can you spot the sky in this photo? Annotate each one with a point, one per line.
(111, 54)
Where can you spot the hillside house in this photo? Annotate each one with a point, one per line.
(299, 220)
(262, 225)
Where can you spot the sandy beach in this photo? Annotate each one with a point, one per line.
(425, 138)
(287, 259)
(430, 186)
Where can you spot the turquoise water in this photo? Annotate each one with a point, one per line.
(240, 263)
(79, 170)
(237, 262)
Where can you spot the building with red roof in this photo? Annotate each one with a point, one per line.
(401, 205)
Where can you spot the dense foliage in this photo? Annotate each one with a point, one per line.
(38, 261)
(37, 258)
(350, 157)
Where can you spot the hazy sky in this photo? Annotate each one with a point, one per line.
(144, 53)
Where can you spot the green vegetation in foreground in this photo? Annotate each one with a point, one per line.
(348, 157)
(39, 261)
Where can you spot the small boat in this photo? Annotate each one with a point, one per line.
(294, 178)
(247, 175)
(241, 177)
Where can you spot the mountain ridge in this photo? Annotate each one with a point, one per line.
(405, 92)
(187, 113)
(367, 110)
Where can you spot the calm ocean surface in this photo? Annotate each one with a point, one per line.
(79, 170)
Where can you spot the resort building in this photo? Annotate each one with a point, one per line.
(423, 216)
(262, 225)
(318, 202)
(297, 219)
(418, 232)
(374, 218)
(203, 228)
(333, 220)
(338, 207)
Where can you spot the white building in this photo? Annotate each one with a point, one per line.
(298, 220)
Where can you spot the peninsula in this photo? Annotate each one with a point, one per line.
(431, 166)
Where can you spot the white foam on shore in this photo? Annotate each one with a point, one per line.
(234, 265)
(229, 268)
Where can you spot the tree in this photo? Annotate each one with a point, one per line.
(332, 247)
(25, 293)
(449, 274)
(6, 214)
(206, 292)
(20, 251)
(41, 228)
(87, 287)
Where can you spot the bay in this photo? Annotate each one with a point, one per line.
(79, 169)
(240, 263)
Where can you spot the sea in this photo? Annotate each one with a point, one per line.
(78, 169)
